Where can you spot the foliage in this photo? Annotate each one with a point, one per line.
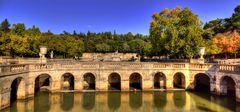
(176, 33)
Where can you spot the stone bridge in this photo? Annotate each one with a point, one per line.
(24, 80)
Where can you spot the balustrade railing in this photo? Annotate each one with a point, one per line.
(229, 68)
(115, 65)
(14, 68)
(201, 66)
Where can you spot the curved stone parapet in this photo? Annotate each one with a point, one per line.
(53, 77)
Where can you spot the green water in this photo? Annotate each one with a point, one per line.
(125, 102)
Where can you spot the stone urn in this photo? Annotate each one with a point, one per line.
(43, 51)
(201, 52)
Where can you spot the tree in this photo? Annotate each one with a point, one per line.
(102, 48)
(176, 33)
(5, 26)
(18, 29)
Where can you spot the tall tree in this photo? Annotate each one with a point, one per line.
(5, 26)
(176, 33)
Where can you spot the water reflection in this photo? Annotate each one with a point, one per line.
(179, 99)
(42, 102)
(114, 100)
(88, 100)
(159, 99)
(135, 100)
(67, 101)
(125, 102)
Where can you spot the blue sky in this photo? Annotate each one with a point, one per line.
(104, 15)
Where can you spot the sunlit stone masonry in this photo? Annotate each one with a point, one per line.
(21, 81)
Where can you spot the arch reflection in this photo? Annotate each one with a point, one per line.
(114, 100)
(67, 101)
(135, 100)
(159, 99)
(179, 98)
(88, 99)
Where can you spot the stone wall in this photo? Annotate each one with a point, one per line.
(101, 72)
(109, 56)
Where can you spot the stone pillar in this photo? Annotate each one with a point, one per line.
(30, 87)
(78, 83)
(147, 84)
(125, 85)
(55, 85)
(5, 98)
(212, 86)
(21, 92)
(237, 88)
(101, 82)
(169, 84)
(101, 85)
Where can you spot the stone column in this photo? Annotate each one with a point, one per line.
(30, 87)
(55, 85)
(21, 92)
(237, 87)
(147, 83)
(125, 84)
(169, 84)
(101, 82)
(212, 86)
(78, 83)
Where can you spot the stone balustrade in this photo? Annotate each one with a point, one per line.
(229, 68)
(201, 66)
(10, 69)
(114, 65)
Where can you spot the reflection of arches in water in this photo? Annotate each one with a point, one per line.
(114, 81)
(228, 86)
(67, 101)
(135, 99)
(179, 80)
(17, 89)
(67, 82)
(179, 98)
(160, 99)
(42, 80)
(89, 81)
(135, 81)
(114, 100)
(42, 102)
(88, 100)
(159, 81)
(202, 82)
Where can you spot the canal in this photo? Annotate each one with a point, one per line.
(178, 101)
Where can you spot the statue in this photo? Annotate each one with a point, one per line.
(51, 55)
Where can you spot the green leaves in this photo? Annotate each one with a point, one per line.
(176, 33)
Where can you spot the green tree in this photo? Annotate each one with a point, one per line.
(102, 48)
(176, 33)
(4, 26)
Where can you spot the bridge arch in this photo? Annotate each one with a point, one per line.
(179, 80)
(67, 81)
(18, 89)
(202, 82)
(114, 81)
(89, 81)
(159, 81)
(227, 86)
(135, 81)
(43, 81)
